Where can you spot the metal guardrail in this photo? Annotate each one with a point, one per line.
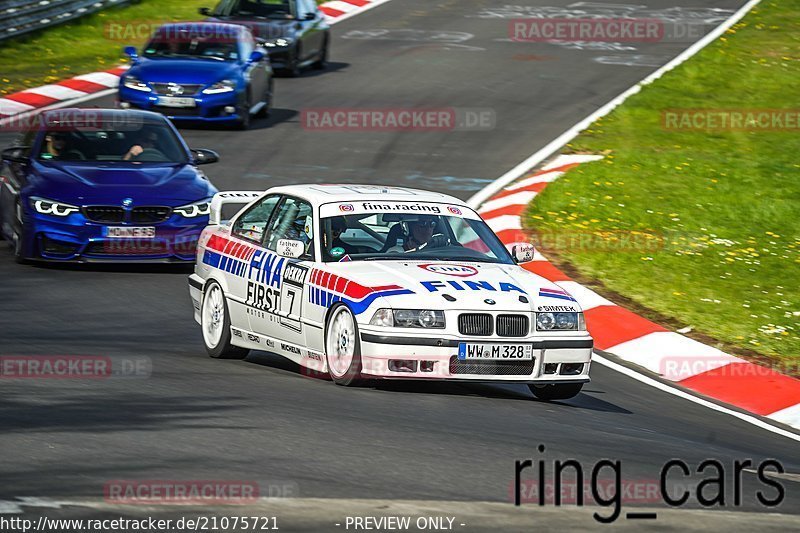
(18, 17)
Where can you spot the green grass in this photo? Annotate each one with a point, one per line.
(84, 45)
(727, 204)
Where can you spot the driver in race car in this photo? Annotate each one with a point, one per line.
(421, 235)
(146, 141)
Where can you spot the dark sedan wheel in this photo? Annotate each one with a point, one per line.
(244, 116)
(264, 111)
(322, 62)
(293, 65)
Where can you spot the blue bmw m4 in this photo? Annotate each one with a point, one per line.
(103, 185)
(202, 72)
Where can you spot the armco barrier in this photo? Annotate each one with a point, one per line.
(18, 17)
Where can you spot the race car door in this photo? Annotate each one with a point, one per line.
(293, 220)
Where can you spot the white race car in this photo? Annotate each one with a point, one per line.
(362, 281)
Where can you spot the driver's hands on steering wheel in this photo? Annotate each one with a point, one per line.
(437, 241)
(133, 152)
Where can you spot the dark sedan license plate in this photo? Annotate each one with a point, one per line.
(468, 351)
(129, 232)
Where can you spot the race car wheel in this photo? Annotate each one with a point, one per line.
(264, 111)
(244, 116)
(560, 391)
(322, 62)
(17, 236)
(293, 66)
(342, 347)
(216, 325)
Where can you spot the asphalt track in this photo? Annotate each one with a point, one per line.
(261, 420)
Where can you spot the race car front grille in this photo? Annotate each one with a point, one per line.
(475, 324)
(150, 214)
(177, 111)
(128, 247)
(512, 325)
(104, 214)
(176, 89)
(491, 368)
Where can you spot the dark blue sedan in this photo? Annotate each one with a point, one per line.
(200, 71)
(103, 185)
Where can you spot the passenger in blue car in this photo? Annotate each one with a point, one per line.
(58, 147)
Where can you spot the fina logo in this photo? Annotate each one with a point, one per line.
(462, 271)
(346, 207)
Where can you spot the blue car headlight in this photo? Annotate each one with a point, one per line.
(195, 210)
(51, 207)
(224, 86)
(134, 83)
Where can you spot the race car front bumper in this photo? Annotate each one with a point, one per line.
(555, 359)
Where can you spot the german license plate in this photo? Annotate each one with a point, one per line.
(129, 232)
(176, 101)
(468, 351)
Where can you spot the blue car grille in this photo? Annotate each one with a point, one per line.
(177, 89)
(104, 214)
(150, 215)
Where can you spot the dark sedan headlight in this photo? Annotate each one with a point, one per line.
(134, 83)
(198, 209)
(224, 86)
(281, 42)
(408, 318)
(51, 207)
(560, 322)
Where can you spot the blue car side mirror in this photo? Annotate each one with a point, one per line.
(256, 56)
(130, 51)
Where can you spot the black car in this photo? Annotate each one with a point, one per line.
(294, 32)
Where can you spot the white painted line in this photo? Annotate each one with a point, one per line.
(519, 198)
(558, 143)
(571, 159)
(587, 298)
(59, 92)
(669, 389)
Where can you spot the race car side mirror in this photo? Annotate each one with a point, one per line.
(522, 252)
(204, 11)
(131, 52)
(290, 248)
(15, 154)
(202, 156)
(256, 56)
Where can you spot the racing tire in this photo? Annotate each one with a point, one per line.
(343, 347)
(18, 237)
(322, 62)
(244, 121)
(293, 68)
(215, 323)
(556, 391)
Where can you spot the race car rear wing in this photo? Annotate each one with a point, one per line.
(229, 197)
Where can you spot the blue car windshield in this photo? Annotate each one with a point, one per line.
(193, 46)
(120, 142)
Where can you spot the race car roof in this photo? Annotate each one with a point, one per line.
(324, 193)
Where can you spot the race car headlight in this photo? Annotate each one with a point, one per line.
(194, 210)
(560, 322)
(51, 207)
(281, 42)
(133, 83)
(408, 318)
(224, 86)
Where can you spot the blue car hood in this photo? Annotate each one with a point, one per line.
(184, 70)
(170, 185)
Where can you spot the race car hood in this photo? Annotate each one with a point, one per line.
(79, 183)
(462, 286)
(184, 71)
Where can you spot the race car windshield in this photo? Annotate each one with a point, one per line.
(112, 142)
(279, 9)
(215, 48)
(394, 236)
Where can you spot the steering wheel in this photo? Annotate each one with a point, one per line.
(150, 155)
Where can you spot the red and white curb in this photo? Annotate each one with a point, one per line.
(81, 87)
(66, 90)
(691, 364)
